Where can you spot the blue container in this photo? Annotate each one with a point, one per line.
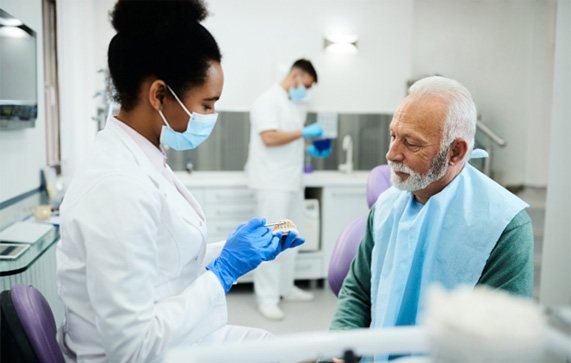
(322, 144)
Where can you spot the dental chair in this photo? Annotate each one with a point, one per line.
(348, 242)
(28, 331)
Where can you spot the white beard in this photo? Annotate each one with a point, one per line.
(418, 181)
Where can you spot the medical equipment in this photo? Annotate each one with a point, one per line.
(304, 346)
(284, 226)
(198, 128)
(448, 337)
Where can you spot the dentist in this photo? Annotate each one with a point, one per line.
(274, 169)
(133, 269)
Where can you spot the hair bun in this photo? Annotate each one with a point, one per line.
(147, 16)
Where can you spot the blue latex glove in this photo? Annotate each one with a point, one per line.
(313, 130)
(248, 246)
(313, 151)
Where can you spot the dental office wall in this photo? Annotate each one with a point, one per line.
(503, 52)
(23, 152)
(260, 37)
(555, 287)
(78, 60)
(259, 40)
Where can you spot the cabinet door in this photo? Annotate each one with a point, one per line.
(339, 207)
(234, 195)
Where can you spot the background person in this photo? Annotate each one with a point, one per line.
(274, 169)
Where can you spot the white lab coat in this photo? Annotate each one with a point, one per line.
(130, 265)
(275, 167)
(275, 174)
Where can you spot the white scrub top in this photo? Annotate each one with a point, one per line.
(130, 265)
(275, 167)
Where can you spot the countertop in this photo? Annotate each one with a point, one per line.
(27, 259)
(238, 178)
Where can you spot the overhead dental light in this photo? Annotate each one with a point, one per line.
(340, 44)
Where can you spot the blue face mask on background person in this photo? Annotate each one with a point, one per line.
(197, 131)
(298, 93)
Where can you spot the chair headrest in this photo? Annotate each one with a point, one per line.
(379, 181)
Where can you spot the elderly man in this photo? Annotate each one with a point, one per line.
(442, 222)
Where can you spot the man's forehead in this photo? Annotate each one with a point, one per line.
(424, 114)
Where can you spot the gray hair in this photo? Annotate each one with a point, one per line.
(461, 115)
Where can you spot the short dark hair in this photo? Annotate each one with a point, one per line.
(306, 66)
(162, 39)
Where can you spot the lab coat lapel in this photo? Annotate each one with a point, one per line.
(188, 196)
(170, 191)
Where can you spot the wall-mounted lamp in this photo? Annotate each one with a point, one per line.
(340, 44)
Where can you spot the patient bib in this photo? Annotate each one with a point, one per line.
(447, 240)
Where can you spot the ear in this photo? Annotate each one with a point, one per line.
(157, 94)
(458, 151)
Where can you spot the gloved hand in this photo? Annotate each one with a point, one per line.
(313, 130)
(248, 246)
(313, 151)
(290, 240)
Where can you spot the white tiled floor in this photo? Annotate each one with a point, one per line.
(300, 316)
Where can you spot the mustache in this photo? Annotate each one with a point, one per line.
(400, 167)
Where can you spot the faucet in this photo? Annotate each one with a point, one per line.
(347, 145)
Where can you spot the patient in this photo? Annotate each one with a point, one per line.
(442, 222)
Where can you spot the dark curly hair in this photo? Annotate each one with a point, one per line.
(159, 38)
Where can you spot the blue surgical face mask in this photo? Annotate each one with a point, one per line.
(298, 93)
(197, 131)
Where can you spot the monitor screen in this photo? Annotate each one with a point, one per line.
(18, 73)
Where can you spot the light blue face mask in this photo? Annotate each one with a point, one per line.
(197, 131)
(298, 93)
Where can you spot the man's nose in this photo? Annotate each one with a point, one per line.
(394, 153)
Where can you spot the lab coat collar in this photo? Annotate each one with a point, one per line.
(145, 163)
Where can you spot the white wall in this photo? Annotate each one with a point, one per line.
(259, 36)
(555, 288)
(503, 52)
(256, 38)
(77, 23)
(23, 152)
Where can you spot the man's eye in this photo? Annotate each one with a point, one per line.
(411, 145)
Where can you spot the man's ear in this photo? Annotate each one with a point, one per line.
(157, 93)
(458, 151)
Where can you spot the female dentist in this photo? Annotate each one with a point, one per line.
(131, 265)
